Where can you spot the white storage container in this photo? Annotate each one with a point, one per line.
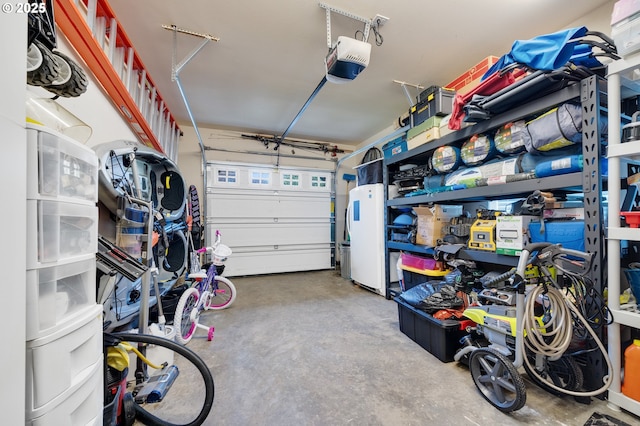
(61, 361)
(60, 167)
(58, 231)
(57, 295)
(80, 405)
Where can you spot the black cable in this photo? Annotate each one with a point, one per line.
(189, 355)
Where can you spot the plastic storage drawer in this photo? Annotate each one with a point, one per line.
(80, 405)
(59, 231)
(60, 167)
(57, 295)
(417, 262)
(60, 361)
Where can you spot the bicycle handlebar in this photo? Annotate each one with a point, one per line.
(212, 248)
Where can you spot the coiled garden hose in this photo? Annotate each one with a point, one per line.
(560, 325)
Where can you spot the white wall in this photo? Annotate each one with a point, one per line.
(14, 192)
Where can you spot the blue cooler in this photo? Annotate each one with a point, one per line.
(569, 233)
(394, 147)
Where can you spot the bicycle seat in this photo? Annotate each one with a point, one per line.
(198, 275)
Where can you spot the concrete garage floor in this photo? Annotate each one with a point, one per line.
(314, 349)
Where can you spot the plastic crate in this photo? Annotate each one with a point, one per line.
(418, 262)
(440, 338)
(469, 79)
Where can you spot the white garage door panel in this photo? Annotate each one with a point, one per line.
(274, 220)
(251, 235)
(255, 263)
(266, 205)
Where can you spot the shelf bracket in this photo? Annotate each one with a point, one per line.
(175, 76)
(404, 85)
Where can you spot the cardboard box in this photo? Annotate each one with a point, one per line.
(432, 220)
(468, 80)
(512, 234)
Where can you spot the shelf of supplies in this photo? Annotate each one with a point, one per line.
(523, 187)
(563, 95)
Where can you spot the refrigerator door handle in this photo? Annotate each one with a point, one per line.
(348, 224)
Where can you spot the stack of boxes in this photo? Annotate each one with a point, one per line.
(64, 362)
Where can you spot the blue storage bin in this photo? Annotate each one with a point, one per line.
(394, 147)
(568, 233)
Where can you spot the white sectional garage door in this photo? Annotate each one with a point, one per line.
(274, 220)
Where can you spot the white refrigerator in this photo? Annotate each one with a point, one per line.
(366, 229)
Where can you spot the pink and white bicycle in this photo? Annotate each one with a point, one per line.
(209, 291)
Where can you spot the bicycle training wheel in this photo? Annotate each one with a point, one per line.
(497, 380)
(180, 394)
(222, 295)
(186, 316)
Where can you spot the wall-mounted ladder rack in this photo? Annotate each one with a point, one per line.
(94, 31)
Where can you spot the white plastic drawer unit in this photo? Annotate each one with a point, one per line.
(80, 405)
(57, 295)
(58, 231)
(60, 167)
(58, 363)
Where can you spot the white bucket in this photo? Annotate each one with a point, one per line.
(155, 354)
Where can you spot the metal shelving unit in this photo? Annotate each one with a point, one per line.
(619, 71)
(589, 182)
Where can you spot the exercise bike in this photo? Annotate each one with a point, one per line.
(528, 320)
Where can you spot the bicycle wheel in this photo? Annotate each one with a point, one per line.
(186, 317)
(177, 404)
(223, 295)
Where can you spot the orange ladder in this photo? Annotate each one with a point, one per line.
(94, 31)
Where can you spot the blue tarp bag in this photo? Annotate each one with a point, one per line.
(546, 52)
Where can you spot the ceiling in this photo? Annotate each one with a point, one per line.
(270, 56)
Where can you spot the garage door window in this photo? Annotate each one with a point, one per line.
(291, 180)
(260, 178)
(318, 181)
(227, 176)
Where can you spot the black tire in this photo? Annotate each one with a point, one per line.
(72, 80)
(145, 416)
(564, 373)
(497, 380)
(42, 67)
